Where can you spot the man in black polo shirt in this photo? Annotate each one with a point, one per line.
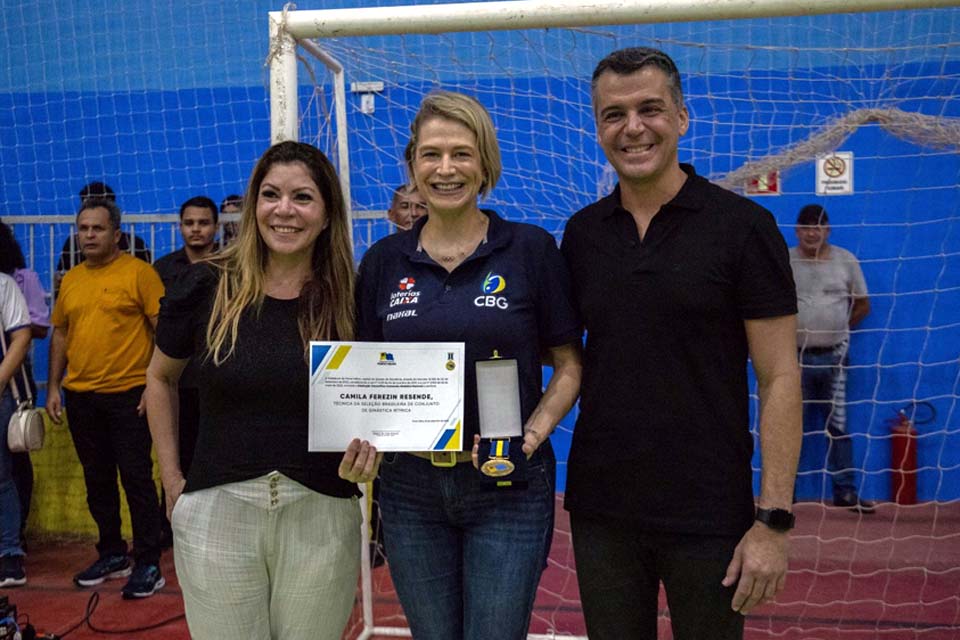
(198, 227)
(677, 281)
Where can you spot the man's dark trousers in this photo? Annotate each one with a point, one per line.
(110, 436)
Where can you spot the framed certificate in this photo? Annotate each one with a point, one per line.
(400, 396)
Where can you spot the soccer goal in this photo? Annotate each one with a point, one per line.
(781, 95)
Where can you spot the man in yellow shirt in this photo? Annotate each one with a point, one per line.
(103, 325)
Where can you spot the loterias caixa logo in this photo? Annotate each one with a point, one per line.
(406, 294)
(493, 284)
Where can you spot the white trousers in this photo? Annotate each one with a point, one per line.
(266, 559)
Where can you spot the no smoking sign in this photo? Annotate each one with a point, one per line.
(835, 174)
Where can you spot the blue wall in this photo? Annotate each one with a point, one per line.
(167, 102)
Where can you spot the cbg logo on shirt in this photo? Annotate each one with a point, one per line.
(492, 284)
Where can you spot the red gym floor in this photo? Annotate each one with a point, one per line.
(894, 575)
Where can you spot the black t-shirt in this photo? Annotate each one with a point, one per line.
(662, 440)
(171, 267)
(253, 406)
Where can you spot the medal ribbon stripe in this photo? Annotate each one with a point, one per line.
(498, 464)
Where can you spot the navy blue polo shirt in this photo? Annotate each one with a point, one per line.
(512, 295)
(662, 439)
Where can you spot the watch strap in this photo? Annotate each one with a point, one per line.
(776, 519)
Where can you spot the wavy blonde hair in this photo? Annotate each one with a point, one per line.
(326, 300)
(468, 111)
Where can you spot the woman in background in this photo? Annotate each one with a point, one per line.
(13, 264)
(15, 325)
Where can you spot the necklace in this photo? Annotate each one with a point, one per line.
(460, 254)
(460, 251)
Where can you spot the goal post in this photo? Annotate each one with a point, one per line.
(289, 27)
(543, 14)
(771, 86)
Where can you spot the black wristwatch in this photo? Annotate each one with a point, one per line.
(776, 519)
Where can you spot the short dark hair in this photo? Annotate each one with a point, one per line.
(203, 202)
(11, 257)
(626, 61)
(109, 205)
(97, 190)
(812, 215)
(233, 199)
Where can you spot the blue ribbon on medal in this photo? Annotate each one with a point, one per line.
(498, 463)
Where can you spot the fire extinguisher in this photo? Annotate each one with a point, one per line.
(903, 450)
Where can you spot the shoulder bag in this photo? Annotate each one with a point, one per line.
(25, 430)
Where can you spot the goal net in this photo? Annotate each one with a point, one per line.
(771, 99)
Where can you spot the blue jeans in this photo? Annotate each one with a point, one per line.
(466, 560)
(824, 383)
(9, 500)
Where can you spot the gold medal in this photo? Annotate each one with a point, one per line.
(499, 464)
(497, 467)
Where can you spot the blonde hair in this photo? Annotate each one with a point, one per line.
(326, 300)
(470, 113)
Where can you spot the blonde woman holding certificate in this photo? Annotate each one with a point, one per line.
(466, 560)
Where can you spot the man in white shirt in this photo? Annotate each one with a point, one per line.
(831, 298)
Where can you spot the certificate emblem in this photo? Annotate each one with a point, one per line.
(451, 364)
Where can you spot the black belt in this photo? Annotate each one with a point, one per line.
(818, 351)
